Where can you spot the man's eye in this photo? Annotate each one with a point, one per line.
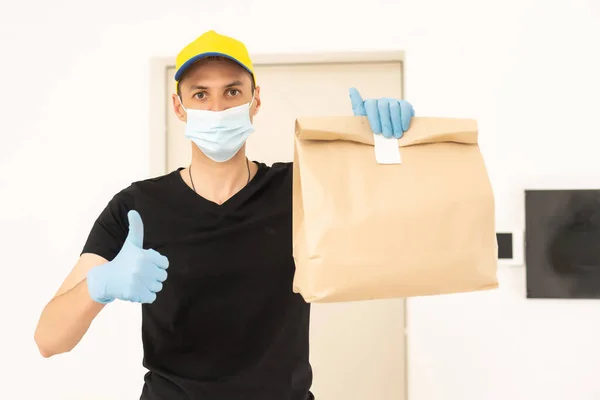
(199, 95)
(233, 92)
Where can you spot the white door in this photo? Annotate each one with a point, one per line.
(357, 350)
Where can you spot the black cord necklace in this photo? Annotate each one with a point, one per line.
(192, 180)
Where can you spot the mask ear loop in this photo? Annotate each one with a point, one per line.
(251, 101)
(181, 102)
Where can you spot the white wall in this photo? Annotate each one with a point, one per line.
(74, 129)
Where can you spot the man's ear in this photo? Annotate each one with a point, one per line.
(177, 107)
(257, 102)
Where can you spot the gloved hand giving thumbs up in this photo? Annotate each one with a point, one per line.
(135, 274)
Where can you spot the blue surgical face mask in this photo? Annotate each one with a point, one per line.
(219, 134)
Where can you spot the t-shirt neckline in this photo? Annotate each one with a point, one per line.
(235, 199)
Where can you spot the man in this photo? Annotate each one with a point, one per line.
(223, 323)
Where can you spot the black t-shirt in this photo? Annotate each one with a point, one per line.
(227, 324)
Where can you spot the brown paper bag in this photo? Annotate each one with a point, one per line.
(364, 230)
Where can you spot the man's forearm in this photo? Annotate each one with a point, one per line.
(65, 320)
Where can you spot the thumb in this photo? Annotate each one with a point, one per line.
(357, 102)
(136, 229)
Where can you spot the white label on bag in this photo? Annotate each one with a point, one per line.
(387, 150)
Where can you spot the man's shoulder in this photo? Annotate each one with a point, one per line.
(281, 167)
(276, 172)
(166, 179)
(160, 183)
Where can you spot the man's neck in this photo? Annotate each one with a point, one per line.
(217, 182)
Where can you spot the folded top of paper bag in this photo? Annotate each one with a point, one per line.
(357, 129)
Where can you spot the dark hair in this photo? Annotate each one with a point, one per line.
(252, 85)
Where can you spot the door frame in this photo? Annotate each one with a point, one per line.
(158, 89)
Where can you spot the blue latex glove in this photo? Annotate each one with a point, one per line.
(134, 275)
(389, 117)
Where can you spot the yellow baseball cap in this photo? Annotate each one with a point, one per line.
(212, 44)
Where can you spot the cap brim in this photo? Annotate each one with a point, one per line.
(192, 60)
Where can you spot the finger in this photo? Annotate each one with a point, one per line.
(155, 286)
(406, 112)
(150, 274)
(159, 274)
(373, 115)
(146, 277)
(383, 106)
(156, 258)
(358, 107)
(136, 229)
(396, 119)
(147, 297)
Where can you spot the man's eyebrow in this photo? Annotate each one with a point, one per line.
(234, 83)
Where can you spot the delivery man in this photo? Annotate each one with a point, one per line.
(206, 250)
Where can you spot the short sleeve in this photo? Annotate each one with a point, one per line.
(110, 228)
